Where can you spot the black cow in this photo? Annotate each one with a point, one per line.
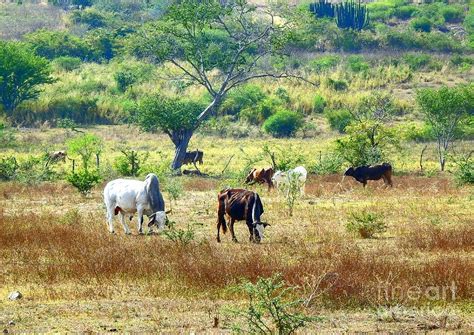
(375, 172)
(192, 157)
(239, 205)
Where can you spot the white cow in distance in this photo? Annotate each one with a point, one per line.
(127, 197)
(282, 179)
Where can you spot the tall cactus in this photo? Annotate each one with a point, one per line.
(352, 15)
(323, 8)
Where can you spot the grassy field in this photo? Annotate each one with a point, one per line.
(75, 276)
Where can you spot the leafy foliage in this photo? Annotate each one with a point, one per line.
(366, 224)
(270, 309)
(84, 180)
(53, 44)
(182, 236)
(21, 74)
(283, 123)
(339, 119)
(129, 164)
(8, 168)
(323, 8)
(85, 147)
(421, 24)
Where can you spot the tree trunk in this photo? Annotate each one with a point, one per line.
(181, 141)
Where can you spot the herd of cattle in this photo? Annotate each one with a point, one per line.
(126, 197)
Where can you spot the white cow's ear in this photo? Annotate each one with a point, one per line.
(152, 220)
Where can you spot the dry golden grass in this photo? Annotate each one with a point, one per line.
(55, 248)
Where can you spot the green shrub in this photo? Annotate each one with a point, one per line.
(421, 24)
(67, 63)
(319, 103)
(284, 123)
(405, 12)
(452, 13)
(418, 133)
(417, 61)
(84, 180)
(7, 136)
(35, 169)
(404, 40)
(366, 224)
(325, 63)
(182, 236)
(8, 168)
(246, 96)
(337, 84)
(339, 119)
(90, 17)
(460, 61)
(357, 63)
(257, 114)
(130, 162)
(85, 147)
(464, 173)
(329, 163)
(270, 309)
(53, 44)
(125, 79)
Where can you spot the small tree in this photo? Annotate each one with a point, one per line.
(444, 109)
(216, 45)
(85, 146)
(21, 74)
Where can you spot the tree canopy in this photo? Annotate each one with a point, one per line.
(21, 74)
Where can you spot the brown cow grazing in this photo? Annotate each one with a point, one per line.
(261, 176)
(57, 156)
(239, 205)
(193, 157)
(374, 172)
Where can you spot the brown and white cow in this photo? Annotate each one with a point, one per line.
(374, 172)
(240, 205)
(261, 176)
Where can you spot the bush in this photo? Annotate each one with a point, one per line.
(366, 224)
(53, 44)
(125, 79)
(452, 13)
(465, 170)
(257, 114)
(417, 61)
(129, 164)
(319, 103)
(325, 63)
(405, 12)
(357, 63)
(328, 164)
(8, 168)
(269, 310)
(84, 180)
(35, 169)
(418, 133)
(181, 236)
(337, 84)
(7, 136)
(421, 24)
(339, 119)
(90, 17)
(241, 98)
(67, 63)
(283, 123)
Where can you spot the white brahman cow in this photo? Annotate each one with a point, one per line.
(127, 197)
(282, 179)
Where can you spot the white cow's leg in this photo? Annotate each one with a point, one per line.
(140, 220)
(124, 224)
(110, 220)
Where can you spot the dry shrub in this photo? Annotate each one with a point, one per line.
(432, 238)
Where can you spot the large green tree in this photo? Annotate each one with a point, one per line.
(21, 74)
(217, 46)
(445, 109)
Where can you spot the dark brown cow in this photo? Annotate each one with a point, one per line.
(240, 205)
(193, 157)
(261, 176)
(374, 172)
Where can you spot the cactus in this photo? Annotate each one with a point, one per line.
(352, 15)
(323, 8)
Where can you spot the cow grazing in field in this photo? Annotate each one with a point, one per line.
(127, 197)
(240, 205)
(282, 179)
(261, 176)
(57, 156)
(375, 172)
(193, 157)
